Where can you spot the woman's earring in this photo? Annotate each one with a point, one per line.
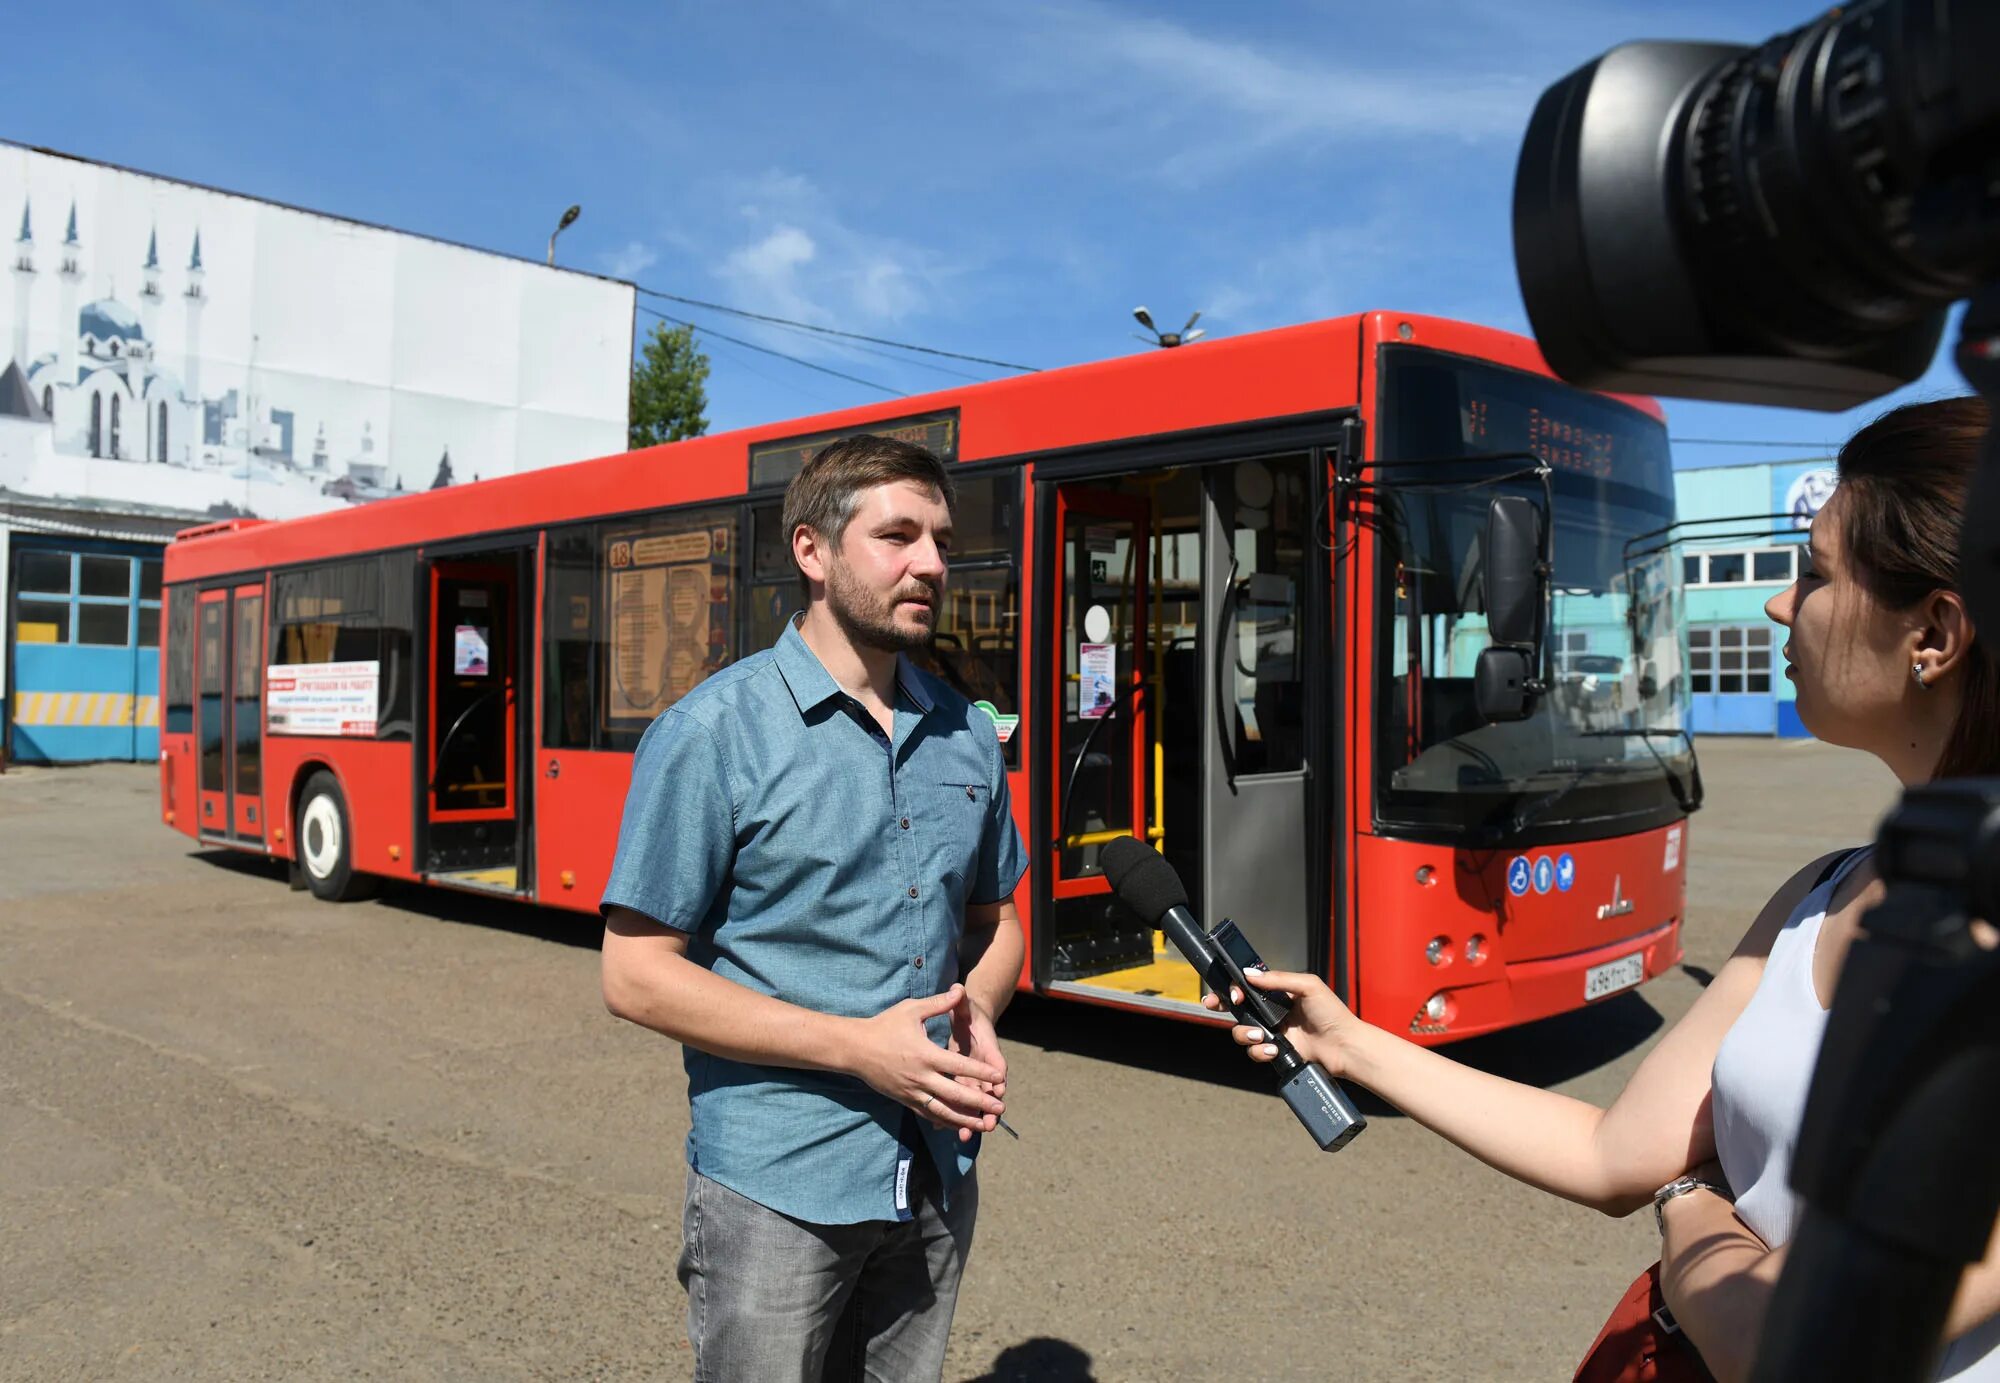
(1917, 671)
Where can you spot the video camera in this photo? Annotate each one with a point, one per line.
(1789, 224)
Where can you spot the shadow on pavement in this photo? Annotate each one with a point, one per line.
(1040, 1360)
(441, 904)
(1545, 1053)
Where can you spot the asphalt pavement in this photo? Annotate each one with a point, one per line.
(246, 1135)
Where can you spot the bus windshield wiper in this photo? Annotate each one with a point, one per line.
(1688, 800)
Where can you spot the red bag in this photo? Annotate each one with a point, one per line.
(1641, 1343)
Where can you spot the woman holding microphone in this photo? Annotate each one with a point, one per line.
(1885, 660)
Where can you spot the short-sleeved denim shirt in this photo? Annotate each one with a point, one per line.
(810, 858)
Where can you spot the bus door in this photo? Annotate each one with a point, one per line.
(229, 672)
(471, 797)
(1101, 752)
(1263, 671)
(1188, 679)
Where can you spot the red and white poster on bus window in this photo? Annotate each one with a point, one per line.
(322, 698)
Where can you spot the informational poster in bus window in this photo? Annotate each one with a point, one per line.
(322, 698)
(468, 652)
(1097, 669)
(659, 593)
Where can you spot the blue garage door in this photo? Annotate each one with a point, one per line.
(1729, 673)
(85, 630)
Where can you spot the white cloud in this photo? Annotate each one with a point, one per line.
(804, 260)
(629, 261)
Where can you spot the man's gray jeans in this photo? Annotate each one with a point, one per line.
(776, 1300)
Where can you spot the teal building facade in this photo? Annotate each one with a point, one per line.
(1744, 529)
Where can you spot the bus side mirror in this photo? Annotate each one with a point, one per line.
(1500, 684)
(1511, 575)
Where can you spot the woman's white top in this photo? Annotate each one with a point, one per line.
(1762, 1073)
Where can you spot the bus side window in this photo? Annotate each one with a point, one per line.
(977, 648)
(177, 715)
(570, 620)
(665, 614)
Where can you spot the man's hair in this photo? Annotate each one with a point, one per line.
(827, 490)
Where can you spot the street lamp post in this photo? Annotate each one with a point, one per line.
(568, 219)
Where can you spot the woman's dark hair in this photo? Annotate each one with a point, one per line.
(1903, 480)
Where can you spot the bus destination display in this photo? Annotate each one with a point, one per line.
(776, 462)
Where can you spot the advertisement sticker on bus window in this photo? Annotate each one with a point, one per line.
(1003, 726)
(322, 698)
(1097, 671)
(1673, 857)
(468, 651)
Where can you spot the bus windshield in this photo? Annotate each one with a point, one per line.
(1604, 750)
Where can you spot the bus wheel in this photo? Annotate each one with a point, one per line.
(325, 843)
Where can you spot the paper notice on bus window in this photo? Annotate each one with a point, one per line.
(659, 637)
(468, 651)
(1097, 672)
(322, 698)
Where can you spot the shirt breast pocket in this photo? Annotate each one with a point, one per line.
(958, 813)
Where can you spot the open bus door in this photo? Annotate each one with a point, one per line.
(1191, 676)
(471, 793)
(230, 679)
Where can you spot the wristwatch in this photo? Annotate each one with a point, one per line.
(1680, 1186)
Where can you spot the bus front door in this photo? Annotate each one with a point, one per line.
(1102, 751)
(1190, 679)
(473, 674)
(230, 680)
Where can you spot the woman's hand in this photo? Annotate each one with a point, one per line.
(1319, 1025)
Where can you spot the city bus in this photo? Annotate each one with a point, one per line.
(1227, 598)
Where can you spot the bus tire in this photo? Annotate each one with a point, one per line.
(325, 843)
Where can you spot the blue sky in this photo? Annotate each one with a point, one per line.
(1003, 180)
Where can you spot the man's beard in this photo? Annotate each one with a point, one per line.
(869, 621)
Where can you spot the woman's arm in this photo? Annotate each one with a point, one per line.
(1717, 1277)
(1611, 1160)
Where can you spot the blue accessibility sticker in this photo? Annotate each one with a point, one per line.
(1517, 875)
(1545, 873)
(1566, 871)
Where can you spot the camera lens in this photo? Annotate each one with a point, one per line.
(1780, 224)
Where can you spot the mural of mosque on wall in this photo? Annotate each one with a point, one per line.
(107, 395)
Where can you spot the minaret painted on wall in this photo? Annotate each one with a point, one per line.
(24, 282)
(71, 275)
(149, 292)
(191, 357)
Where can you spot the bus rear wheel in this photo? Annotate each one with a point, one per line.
(325, 843)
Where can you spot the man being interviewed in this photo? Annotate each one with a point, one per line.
(813, 893)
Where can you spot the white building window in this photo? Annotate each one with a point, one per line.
(1729, 659)
(1738, 566)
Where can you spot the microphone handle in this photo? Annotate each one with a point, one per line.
(1329, 1115)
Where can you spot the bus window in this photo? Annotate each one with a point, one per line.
(396, 717)
(1267, 507)
(570, 677)
(977, 649)
(773, 590)
(178, 713)
(668, 584)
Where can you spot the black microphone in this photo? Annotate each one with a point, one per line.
(1149, 886)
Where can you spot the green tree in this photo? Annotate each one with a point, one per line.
(668, 388)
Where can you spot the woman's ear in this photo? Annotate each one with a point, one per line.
(1946, 635)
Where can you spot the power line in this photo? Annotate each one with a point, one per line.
(1822, 446)
(796, 360)
(831, 331)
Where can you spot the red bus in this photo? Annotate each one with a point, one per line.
(1226, 597)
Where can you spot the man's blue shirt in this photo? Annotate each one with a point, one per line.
(810, 858)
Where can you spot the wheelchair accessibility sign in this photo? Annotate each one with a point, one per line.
(1519, 876)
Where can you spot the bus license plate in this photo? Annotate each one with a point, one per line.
(1613, 976)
